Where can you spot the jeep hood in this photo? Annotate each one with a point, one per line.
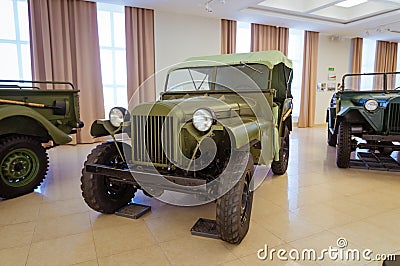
(185, 107)
(379, 96)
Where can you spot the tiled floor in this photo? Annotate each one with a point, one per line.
(310, 207)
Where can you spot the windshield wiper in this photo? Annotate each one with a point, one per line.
(194, 82)
(191, 76)
(252, 68)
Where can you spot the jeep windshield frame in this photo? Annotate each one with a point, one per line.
(220, 78)
(383, 79)
(15, 84)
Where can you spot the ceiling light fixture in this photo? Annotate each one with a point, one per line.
(351, 3)
(208, 7)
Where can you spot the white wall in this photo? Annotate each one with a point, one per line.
(179, 36)
(331, 53)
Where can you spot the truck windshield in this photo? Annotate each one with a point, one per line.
(237, 77)
(372, 82)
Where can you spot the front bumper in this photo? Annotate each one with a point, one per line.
(143, 178)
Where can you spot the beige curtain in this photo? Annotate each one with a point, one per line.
(386, 56)
(356, 62)
(265, 37)
(309, 85)
(140, 61)
(385, 61)
(65, 47)
(228, 36)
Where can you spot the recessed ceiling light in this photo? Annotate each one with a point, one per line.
(351, 3)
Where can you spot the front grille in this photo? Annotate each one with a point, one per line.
(150, 133)
(394, 118)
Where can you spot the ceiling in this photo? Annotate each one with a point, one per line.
(375, 19)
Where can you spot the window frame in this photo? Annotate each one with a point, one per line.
(18, 42)
(111, 9)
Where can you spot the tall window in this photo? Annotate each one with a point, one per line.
(368, 63)
(296, 48)
(15, 58)
(111, 27)
(243, 37)
(296, 51)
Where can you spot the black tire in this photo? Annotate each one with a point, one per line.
(24, 164)
(343, 150)
(280, 167)
(332, 139)
(234, 207)
(98, 191)
(386, 150)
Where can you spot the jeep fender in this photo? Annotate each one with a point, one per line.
(245, 132)
(358, 115)
(58, 136)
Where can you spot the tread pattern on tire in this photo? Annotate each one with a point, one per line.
(332, 139)
(8, 142)
(228, 210)
(280, 167)
(91, 184)
(343, 150)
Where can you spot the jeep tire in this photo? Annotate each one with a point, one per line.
(98, 191)
(23, 165)
(280, 167)
(332, 139)
(234, 208)
(343, 150)
(386, 150)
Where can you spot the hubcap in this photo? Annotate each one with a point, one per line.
(114, 189)
(19, 167)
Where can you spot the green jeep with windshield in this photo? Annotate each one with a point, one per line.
(365, 114)
(33, 120)
(218, 117)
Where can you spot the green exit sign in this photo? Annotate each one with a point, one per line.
(331, 69)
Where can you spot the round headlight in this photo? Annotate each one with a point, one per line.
(203, 120)
(117, 116)
(371, 105)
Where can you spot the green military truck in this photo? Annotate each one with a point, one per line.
(365, 114)
(218, 117)
(31, 121)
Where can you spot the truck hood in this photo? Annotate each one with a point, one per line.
(185, 107)
(382, 98)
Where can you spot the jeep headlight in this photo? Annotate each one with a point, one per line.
(117, 115)
(203, 119)
(371, 105)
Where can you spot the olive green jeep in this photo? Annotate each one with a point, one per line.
(31, 121)
(365, 114)
(218, 117)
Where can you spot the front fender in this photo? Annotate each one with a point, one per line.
(358, 115)
(103, 127)
(57, 135)
(245, 132)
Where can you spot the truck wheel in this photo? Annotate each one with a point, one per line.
(99, 192)
(332, 139)
(234, 208)
(343, 150)
(385, 150)
(280, 167)
(24, 164)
